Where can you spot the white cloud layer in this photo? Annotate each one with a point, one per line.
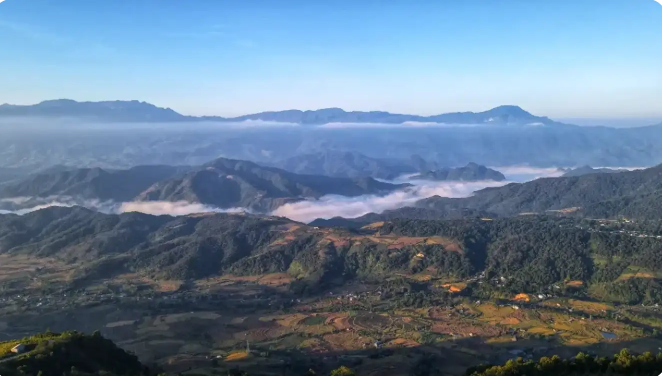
(175, 208)
(351, 207)
(406, 124)
(305, 211)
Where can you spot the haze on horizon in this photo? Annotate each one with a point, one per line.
(563, 59)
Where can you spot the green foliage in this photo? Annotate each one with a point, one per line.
(525, 254)
(342, 371)
(634, 194)
(71, 353)
(622, 363)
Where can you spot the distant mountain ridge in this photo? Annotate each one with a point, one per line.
(137, 111)
(585, 170)
(222, 183)
(120, 111)
(91, 183)
(470, 172)
(349, 164)
(633, 194)
(229, 183)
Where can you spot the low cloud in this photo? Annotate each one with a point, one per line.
(27, 205)
(24, 205)
(527, 173)
(35, 208)
(259, 124)
(175, 208)
(351, 207)
(624, 168)
(304, 211)
(406, 124)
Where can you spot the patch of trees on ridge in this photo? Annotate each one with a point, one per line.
(622, 363)
(68, 353)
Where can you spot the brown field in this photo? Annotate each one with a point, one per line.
(26, 267)
(522, 298)
(455, 287)
(626, 276)
(510, 321)
(575, 283)
(374, 226)
(347, 341)
(290, 320)
(168, 286)
(402, 342)
(275, 279)
(339, 321)
(465, 329)
(391, 241)
(588, 307)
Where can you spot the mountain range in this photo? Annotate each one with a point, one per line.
(73, 133)
(136, 111)
(227, 183)
(585, 170)
(346, 164)
(90, 183)
(631, 194)
(222, 183)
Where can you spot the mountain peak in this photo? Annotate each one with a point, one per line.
(510, 110)
(57, 102)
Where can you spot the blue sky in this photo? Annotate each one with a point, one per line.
(560, 58)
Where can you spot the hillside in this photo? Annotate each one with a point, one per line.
(117, 111)
(222, 183)
(470, 172)
(90, 183)
(631, 193)
(623, 363)
(585, 170)
(346, 165)
(69, 353)
(402, 213)
(533, 252)
(227, 183)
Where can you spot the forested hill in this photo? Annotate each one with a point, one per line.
(91, 183)
(624, 363)
(532, 253)
(470, 172)
(347, 164)
(222, 183)
(228, 183)
(69, 353)
(633, 193)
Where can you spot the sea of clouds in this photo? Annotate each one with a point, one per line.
(304, 211)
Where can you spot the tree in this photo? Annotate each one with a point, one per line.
(342, 371)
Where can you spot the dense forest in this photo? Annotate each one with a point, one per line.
(622, 363)
(610, 260)
(69, 353)
(633, 194)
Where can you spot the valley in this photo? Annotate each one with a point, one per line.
(311, 188)
(394, 295)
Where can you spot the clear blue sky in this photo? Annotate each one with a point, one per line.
(561, 58)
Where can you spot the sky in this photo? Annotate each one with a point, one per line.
(594, 59)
